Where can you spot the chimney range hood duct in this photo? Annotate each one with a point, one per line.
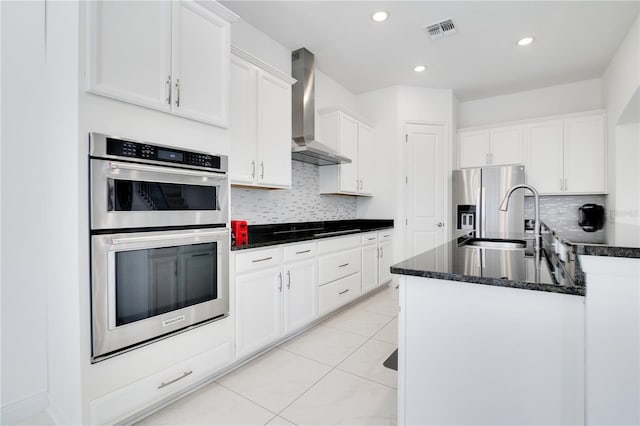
(304, 147)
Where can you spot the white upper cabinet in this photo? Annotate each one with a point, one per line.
(567, 156)
(201, 54)
(585, 154)
(492, 147)
(473, 148)
(126, 60)
(544, 165)
(353, 139)
(260, 117)
(169, 56)
(366, 159)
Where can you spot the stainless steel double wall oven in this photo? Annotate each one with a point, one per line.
(159, 241)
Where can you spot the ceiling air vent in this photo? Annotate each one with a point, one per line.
(441, 29)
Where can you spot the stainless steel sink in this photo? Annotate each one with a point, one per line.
(492, 243)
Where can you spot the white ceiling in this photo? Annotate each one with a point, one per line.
(575, 40)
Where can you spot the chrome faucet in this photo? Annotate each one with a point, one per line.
(504, 205)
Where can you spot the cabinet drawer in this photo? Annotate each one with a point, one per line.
(126, 401)
(341, 243)
(334, 266)
(258, 259)
(338, 293)
(385, 235)
(299, 251)
(369, 238)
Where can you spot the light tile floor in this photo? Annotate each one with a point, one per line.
(330, 375)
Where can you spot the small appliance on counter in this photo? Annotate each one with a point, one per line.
(239, 233)
(591, 217)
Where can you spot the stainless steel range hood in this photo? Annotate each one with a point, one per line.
(304, 147)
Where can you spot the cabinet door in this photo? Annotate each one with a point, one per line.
(242, 128)
(201, 55)
(473, 149)
(274, 131)
(506, 146)
(300, 294)
(543, 168)
(259, 302)
(384, 262)
(366, 156)
(349, 147)
(585, 155)
(129, 51)
(369, 267)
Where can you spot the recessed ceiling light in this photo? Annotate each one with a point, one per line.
(380, 16)
(525, 41)
(420, 68)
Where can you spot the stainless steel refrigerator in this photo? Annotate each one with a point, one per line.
(477, 194)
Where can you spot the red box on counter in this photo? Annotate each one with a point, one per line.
(240, 232)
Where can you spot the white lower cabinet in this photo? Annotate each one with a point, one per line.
(370, 254)
(272, 297)
(116, 406)
(338, 293)
(259, 306)
(385, 256)
(281, 289)
(300, 294)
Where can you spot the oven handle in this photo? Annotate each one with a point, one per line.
(130, 240)
(114, 165)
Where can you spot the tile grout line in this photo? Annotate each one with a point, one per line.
(336, 368)
(248, 399)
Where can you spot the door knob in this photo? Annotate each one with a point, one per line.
(440, 225)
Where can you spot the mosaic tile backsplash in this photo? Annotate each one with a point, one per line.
(560, 212)
(301, 203)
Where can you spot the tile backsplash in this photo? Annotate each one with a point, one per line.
(560, 212)
(301, 203)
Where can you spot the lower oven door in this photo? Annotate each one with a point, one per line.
(146, 285)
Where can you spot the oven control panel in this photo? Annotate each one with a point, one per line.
(151, 152)
(159, 154)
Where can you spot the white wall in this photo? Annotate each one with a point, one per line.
(621, 81)
(562, 99)
(390, 109)
(24, 280)
(258, 44)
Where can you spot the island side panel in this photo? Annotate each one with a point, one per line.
(480, 354)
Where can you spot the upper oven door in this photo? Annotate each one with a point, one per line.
(132, 195)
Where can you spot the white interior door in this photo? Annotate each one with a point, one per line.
(425, 189)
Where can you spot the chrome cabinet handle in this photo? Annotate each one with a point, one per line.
(169, 87)
(280, 285)
(303, 251)
(178, 93)
(566, 186)
(343, 291)
(288, 279)
(440, 224)
(381, 252)
(185, 374)
(378, 253)
(262, 260)
(371, 239)
(262, 170)
(253, 169)
(342, 266)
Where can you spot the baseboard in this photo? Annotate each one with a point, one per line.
(25, 408)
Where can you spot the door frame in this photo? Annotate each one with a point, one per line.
(448, 153)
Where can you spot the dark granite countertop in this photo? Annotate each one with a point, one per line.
(496, 267)
(284, 233)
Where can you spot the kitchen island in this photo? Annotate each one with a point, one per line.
(488, 337)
